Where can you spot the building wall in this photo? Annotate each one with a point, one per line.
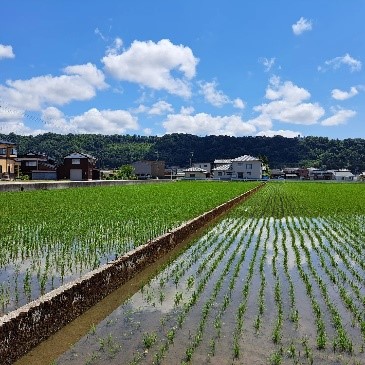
(7, 159)
(84, 165)
(203, 165)
(152, 168)
(247, 169)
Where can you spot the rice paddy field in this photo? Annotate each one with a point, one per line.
(52, 237)
(279, 280)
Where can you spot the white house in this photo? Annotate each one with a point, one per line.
(247, 167)
(195, 173)
(342, 175)
(223, 172)
(242, 168)
(203, 165)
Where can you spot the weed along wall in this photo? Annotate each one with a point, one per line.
(24, 328)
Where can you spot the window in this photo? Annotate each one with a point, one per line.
(30, 163)
(2, 151)
(248, 173)
(13, 151)
(248, 166)
(239, 164)
(240, 175)
(192, 175)
(219, 173)
(76, 161)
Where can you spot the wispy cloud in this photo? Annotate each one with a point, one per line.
(301, 26)
(267, 63)
(337, 62)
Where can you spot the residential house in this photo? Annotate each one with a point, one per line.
(203, 165)
(37, 166)
(242, 168)
(223, 172)
(342, 175)
(247, 167)
(149, 169)
(78, 167)
(317, 174)
(277, 174)
(195, 173)
(9, 167)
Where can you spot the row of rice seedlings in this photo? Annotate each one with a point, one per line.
(343, 250)
(246, 291)
(210, 264)
(232, 283)
(321, 338)
(206, 308)
(342, 341)
(337, 275)
(294, 314)
(261, 296)
(276, 335)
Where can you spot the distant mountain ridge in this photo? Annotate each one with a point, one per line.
(113, 151)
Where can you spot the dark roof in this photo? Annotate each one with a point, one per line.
(6, 142)
(80, 155)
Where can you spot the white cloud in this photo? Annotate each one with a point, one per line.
(212, 95)
(280, 132)
(287, 104)
(337, 62)
(92, 121)
(79, 82)
(161, 107)
(151, 64)
(12, 121)
(115, 47)
(340, 117)
(343, 95)
(238, 103)
(187, 110)
(206, 124)
(217, 97)
(267, 63)
(301, 26)
(6, 51)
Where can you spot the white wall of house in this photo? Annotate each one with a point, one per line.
(247, 169)
(203, 165)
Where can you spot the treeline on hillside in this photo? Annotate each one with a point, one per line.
(113, 151)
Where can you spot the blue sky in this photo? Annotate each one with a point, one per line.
(240, 68)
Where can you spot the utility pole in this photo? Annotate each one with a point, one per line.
(191, 157)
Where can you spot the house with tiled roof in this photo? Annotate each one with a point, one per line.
(195, 173)
(244, 167)
(78, 166)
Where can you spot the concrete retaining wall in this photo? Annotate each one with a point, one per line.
(24, 328)
(50, 185)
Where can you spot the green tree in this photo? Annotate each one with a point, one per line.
(125, 172)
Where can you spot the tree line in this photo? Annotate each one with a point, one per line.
(113, 151)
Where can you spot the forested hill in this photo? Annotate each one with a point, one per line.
(116, 150)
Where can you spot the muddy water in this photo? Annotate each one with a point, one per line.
(187, 311)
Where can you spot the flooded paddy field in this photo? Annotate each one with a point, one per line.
(49, 238)
(256, 288)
